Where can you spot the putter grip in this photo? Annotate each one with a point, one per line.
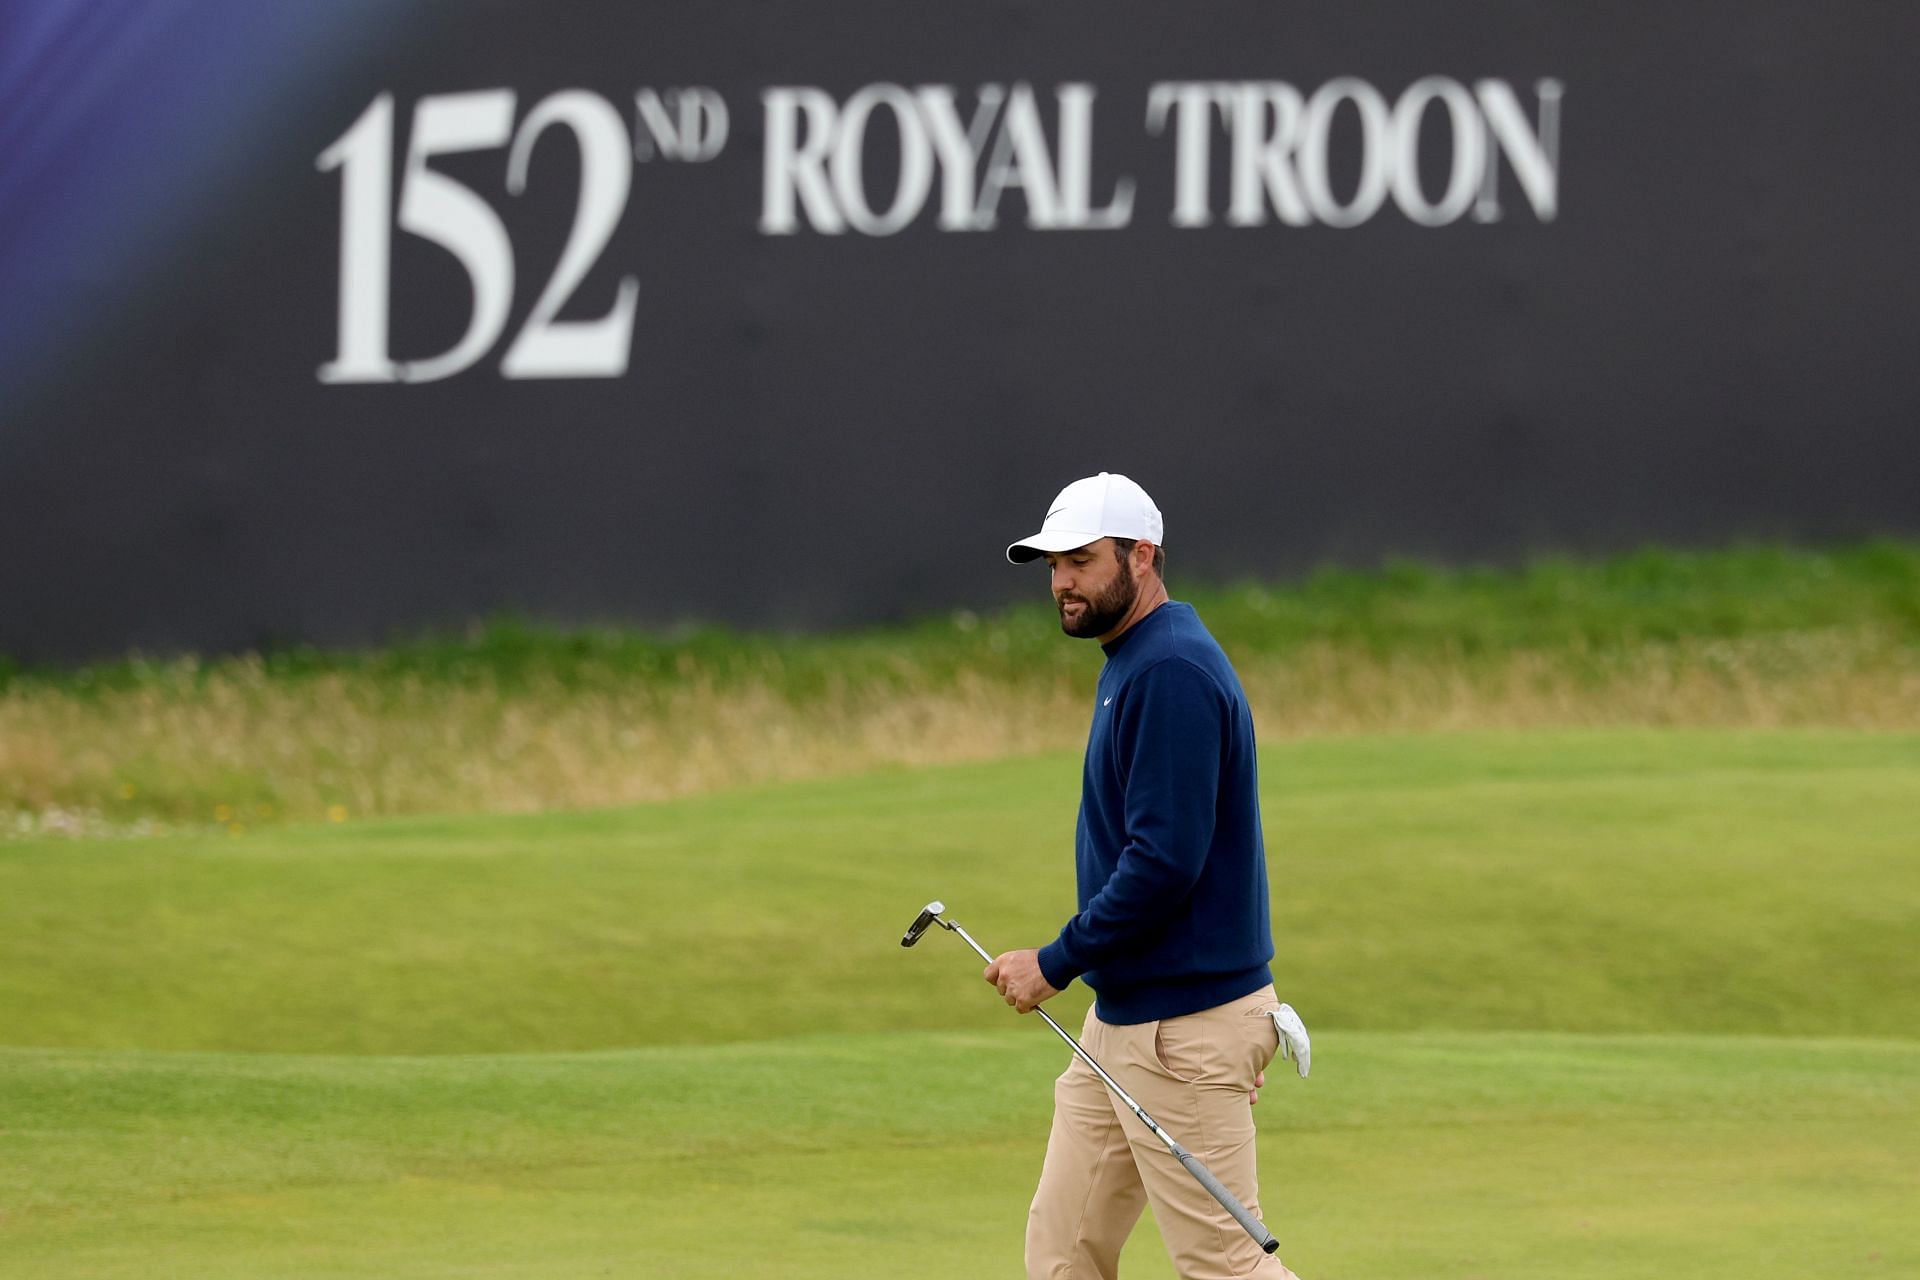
(1228, 1201)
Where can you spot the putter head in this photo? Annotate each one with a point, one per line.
(928, 914)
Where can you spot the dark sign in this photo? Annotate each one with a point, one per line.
(320, 326)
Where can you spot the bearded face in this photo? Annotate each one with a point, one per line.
(1086, 615)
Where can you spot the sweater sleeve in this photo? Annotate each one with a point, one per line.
(1171, 730)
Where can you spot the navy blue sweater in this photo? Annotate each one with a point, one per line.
(1172, 872)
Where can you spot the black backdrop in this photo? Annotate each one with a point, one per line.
(1709, 336)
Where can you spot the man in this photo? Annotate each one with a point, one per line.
(1172, 932)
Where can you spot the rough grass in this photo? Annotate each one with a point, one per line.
(511, 718)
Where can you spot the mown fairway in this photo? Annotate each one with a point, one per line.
(1611, 1004)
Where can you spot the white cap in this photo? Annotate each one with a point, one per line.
(1102, 506)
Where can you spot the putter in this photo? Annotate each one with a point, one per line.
(935, 913)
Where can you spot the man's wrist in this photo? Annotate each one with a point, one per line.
(1056, 967)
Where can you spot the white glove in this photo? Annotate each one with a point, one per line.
(1294, 1042)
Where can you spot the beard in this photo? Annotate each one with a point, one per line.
(1104, 612)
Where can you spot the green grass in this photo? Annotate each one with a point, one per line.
(1550, 602)
(1446, 1155)
(1620, 881)
(1586, 1004)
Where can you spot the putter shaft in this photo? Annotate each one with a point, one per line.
(1230, 1202)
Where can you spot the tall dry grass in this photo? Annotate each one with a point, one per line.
(238, 744)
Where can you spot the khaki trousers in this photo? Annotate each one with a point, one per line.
(1192, 1074)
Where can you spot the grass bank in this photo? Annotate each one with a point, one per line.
(512, 718)
(1601, 880)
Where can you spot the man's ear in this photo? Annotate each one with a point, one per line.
(1143, 555)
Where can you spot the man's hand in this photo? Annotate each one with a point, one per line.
(1259, 1083)
(1016, 975)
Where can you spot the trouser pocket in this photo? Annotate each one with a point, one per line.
(1227, 1045)
(1180, 1046)
(1258, 1034)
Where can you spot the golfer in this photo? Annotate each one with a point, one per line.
(1172, 932)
